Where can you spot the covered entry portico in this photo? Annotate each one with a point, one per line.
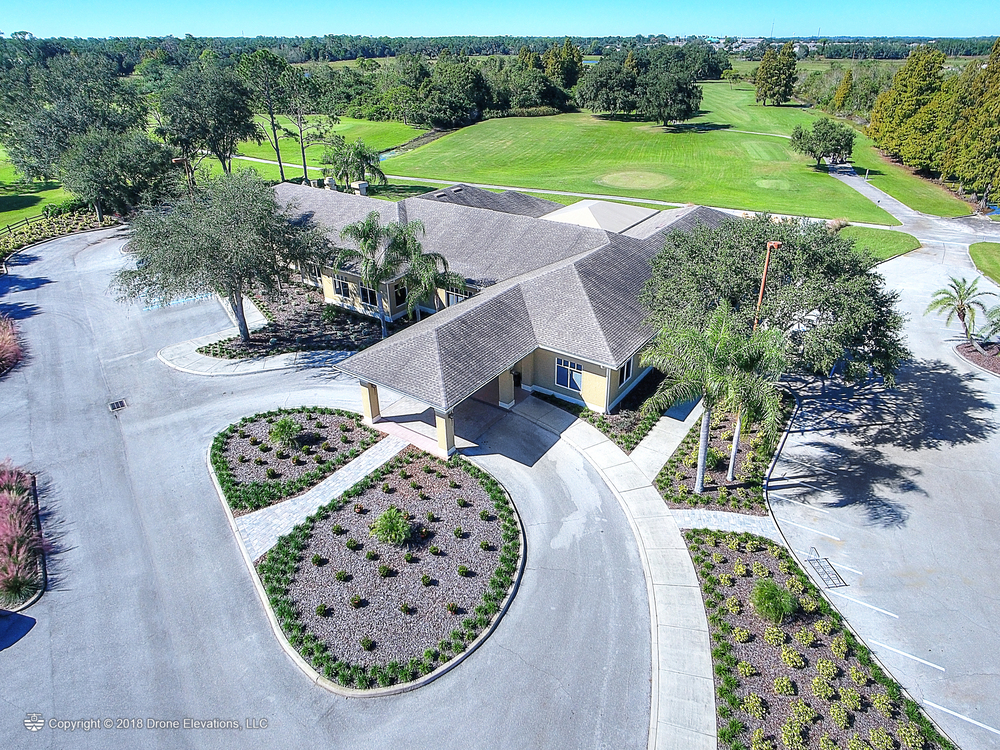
(440, 431)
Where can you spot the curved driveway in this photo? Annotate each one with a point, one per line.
(152, 614)
(900, 489)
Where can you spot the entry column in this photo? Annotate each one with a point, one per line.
(506, 379)
(445, 422)
(369, 402)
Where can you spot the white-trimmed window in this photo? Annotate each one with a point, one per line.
(399, 292)
(368, 295)
(569, 374)
(454, 296)
(625, 374)
(341, 288)
(311, 274)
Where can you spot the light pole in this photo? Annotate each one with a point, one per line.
(731, 474)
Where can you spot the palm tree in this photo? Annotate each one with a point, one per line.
(719, 365)
(426, 272)
(960, 299)
(377, 257)
(355, 161)
(758, 362)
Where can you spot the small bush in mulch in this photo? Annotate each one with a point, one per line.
(386, 609)
(276, 454)
(989, 361)
(21, 541)
(299, 320)
(787, 672)
(628, 424)
(745, 494)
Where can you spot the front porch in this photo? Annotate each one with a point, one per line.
(437, 432)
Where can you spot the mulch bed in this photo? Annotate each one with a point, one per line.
(748, 663)
(676, 479)
(255, 471)
(300, 573)
(627, 425)
(300, 320)
(989, 361)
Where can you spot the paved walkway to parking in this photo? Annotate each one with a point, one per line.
(260, 530)
(683, 692)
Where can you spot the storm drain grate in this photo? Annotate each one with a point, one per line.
(824, 569)
(117, 405)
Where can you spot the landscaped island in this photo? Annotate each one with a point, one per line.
(399, 575)
(788, 672)
(276, 454)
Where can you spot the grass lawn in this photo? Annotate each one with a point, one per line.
(883, 243)
(917, 193)
(379, 135)
(581, 153)
(986, 256)
(20, 199)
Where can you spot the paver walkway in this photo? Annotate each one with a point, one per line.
(259, 531)
(682, 714)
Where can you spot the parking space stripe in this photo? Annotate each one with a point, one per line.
(814, 531)
(987, 727)
(908, 656)
(863, 604)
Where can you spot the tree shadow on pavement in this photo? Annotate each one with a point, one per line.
(860, 477)
(931, 407)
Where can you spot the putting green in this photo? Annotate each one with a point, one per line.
(636, 180)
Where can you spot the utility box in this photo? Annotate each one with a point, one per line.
(360, 188)
(331, 184)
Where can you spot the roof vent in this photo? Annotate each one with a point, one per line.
(439, 195)
(457, 190)
(117, 405)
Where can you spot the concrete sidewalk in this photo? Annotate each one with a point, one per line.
(260, 530)
(682, 712)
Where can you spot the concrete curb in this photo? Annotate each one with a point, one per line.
(819, 584)
(307, 668)
(20, 250)
(970, 362)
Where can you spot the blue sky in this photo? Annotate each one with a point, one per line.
(479, 17)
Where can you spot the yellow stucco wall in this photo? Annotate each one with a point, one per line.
(615, 388)
(353, 301)
(594, 384)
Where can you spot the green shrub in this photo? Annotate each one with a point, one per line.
(808, 603)
(825, 743)
(726, 580)
(805, 637)
(434, 550)
(880, 739)
(452, 608)
(792, 658)
(384, 571)
(342, 575)
(791, 735)
(753, 705)
(772, 602)
(783, 686)
(851, 698)
(356, 601)
(733, 605)
(839, 646)
(463, 571)
(317, 560)
(425, 580)
(760, 570)
(774, 636)
(794, 585)
(883, 704)
(803, 712)
(458, 532)
(821, 688)
(746, 669)
(392, 527)
(321, 610)
(839, 716)
(352, 544)
(285, 431)
(406, 609)
(827, 669)
(758, 741)
(740, 568)
(910, 735)
(367, 643)
(856, 743)
(859, 676)
(741, 635)
(824, 627)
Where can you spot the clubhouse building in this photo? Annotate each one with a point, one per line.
(551, 303)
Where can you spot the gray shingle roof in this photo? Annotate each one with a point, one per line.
(482, 245)
(507, 202)
(558, 286)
